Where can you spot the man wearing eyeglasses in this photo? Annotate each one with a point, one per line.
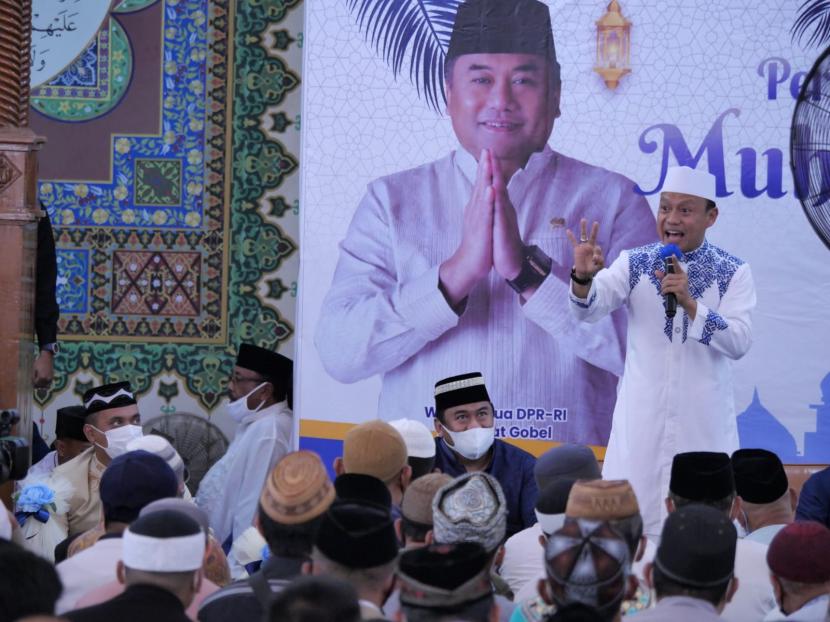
(260, 390)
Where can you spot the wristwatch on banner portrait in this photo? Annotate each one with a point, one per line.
(53, 348)
(535, 269)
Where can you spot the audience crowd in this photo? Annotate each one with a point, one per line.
(409, 529)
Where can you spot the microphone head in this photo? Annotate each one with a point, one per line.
(670, 249)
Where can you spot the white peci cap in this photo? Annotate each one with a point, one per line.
(417, 437)
(691, 181)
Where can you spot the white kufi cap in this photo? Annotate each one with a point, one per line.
(417, 437)
(691, 181)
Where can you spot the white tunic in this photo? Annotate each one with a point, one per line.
(230, 490)
(676, 391)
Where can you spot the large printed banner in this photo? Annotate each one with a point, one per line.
(389, 139)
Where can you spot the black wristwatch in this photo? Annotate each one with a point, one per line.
(535, 269)
(578, 280)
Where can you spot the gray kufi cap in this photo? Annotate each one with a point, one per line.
(567, 461)
(471, 508)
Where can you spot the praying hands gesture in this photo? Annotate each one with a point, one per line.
(489, 238)
(588, 257)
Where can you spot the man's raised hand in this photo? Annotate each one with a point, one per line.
(588, 257)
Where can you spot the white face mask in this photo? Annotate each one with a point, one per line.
(118, 438)
(472, 443)
(238, 409)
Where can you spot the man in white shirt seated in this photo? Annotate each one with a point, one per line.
(765, 502)
(799, 565)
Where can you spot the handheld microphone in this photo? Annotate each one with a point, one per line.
(670, 302)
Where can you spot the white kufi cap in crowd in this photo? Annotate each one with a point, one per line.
(691, 181)
(417, 437)
(161, 447)
(164, 541)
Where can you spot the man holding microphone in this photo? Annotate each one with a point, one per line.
(676, 391)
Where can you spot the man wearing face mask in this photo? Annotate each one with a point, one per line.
(260, 390)
(112, 420)
(465, 424)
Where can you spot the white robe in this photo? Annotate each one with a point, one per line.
(676, 391)
(230, 490)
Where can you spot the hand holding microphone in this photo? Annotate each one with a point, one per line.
(675, 283)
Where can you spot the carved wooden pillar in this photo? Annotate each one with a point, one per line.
(19, 211)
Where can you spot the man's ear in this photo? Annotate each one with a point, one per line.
(89, 432)
(405, 477)
(735, 510)
(543, 540)
(399, 529)
(120, 574)
(730, 590)
(307, 568)
(498, 558)
(793, 499)
(670, 505)
(429, 538)
(60, 447)
(439, 429)
(339, 468)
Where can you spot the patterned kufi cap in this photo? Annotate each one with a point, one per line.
(374, 448)
(602, 500)
(588, 562)
(108, 396)
(471, 508)
(297, 490)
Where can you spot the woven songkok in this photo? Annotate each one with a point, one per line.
(702, 476)
(800, 552)
(697, 547)
(374, 448)
(297, 489)
(588, 562)
(759, 476)
(444, 576)
(602, 500)
(459, 390)
(417, 498)
(108, 396)
(471, 508)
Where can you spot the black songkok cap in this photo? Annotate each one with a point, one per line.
(502, 27)
(269, 364)
(357, 535)
(759, 476)
(444, 576)
(458, 390)
(697, 547)
(361, 488)
(702, 476)
(69, 423)
(108, 396)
